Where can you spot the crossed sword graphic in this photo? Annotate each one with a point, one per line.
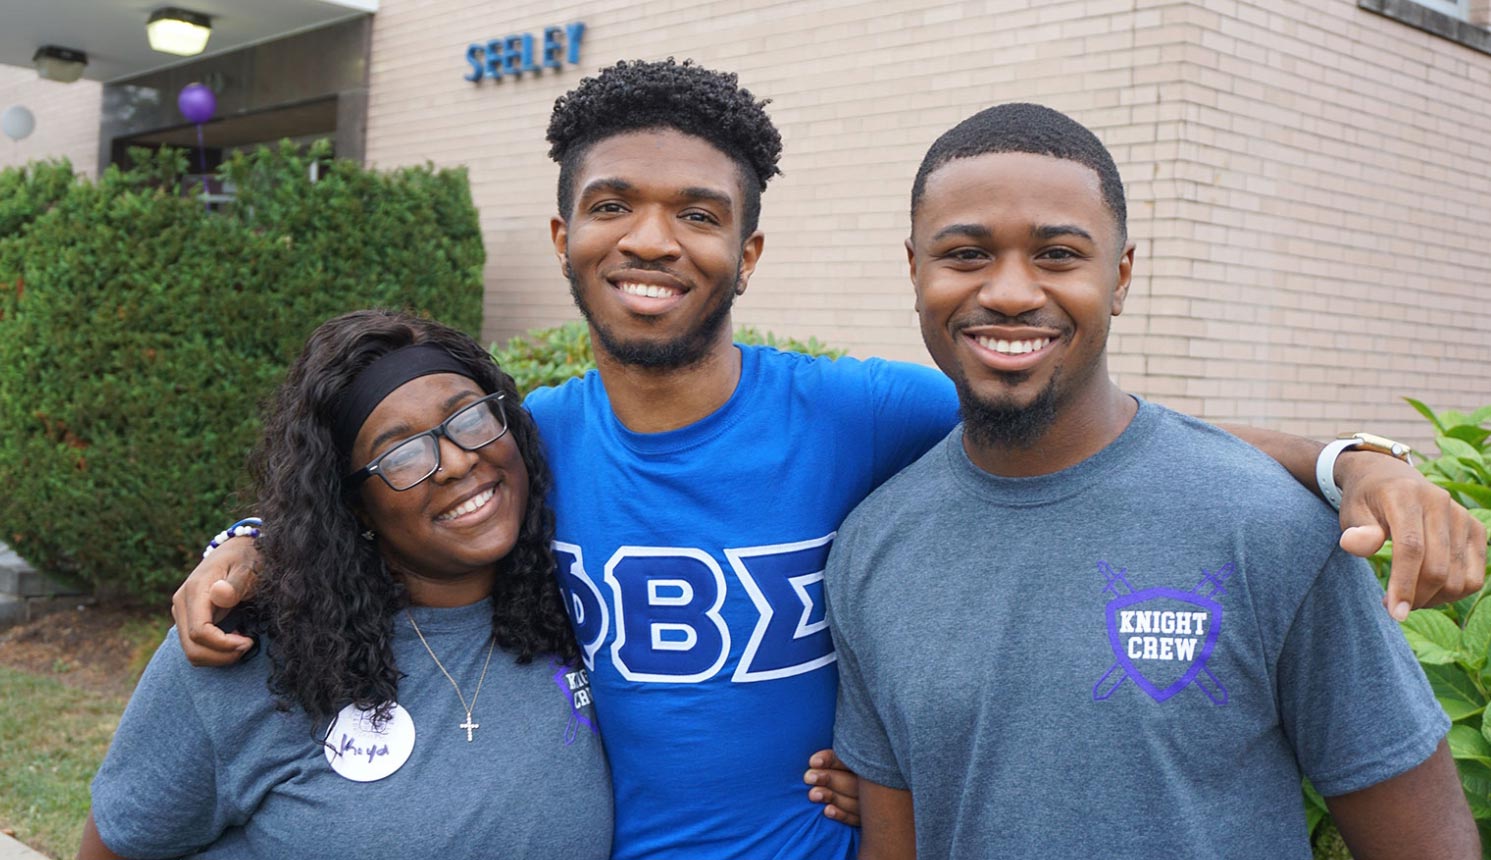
(1118, 585)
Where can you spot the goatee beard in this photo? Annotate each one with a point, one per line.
(686, 350)
(1005, 425)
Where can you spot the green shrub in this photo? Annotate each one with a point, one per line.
(550, 356)
(138, 334)
(1453, 642)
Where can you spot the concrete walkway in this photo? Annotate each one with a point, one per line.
(10, 849)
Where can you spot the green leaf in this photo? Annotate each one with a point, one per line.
(1478, 793)
(1458, 709)
(1449, 446)
(1466, 455)
(1474, 436)
(1481, 416)
(1468, 744)
(1478, 493)
(1434, 637)
(1454, 682)
(1426, 412)
(1475, 638)
(1486, 728)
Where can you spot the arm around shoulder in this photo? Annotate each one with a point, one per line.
(216, 585)
(1417, 815)
(1439, 549)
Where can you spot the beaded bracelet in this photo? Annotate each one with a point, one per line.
(246, 527)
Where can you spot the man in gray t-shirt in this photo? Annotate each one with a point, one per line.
(1161, 635)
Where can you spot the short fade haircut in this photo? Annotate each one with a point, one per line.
(642, 96)
(1029, 128)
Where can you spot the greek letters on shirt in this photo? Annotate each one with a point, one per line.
(667, 606)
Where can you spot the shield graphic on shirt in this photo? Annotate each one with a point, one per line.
(1163, 637)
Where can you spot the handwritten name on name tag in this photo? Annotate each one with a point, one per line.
(361, 752)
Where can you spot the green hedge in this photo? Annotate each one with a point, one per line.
(139, 333)
(552, 355)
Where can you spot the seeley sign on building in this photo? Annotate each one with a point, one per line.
(514, 54)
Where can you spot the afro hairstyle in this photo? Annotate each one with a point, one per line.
(639, 95)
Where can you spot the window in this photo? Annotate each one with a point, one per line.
(1456, 20)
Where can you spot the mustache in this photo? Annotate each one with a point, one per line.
(1032, 319)
(644, 266)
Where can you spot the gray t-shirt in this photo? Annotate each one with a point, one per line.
(203, 765)
(1136, 657)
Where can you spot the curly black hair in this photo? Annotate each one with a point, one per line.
(1030, 128)
(326, 598)
(639, 95)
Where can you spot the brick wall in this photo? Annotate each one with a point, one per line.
(66, 119)
(1330, 203)
(1308, 182)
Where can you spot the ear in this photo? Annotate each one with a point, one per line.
(559, 234)
(750, 254)
(911, 271)
(1125, 274)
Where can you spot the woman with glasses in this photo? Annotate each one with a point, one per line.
(418, 694)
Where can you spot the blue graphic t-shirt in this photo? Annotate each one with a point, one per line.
(692, 565)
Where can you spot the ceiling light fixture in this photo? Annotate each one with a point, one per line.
(177, 31)
(63, 65)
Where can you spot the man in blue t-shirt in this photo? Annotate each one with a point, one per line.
(698, 484)
(1161, 607)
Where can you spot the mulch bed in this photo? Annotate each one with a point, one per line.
(80, 643)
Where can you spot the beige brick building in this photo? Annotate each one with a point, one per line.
(1309, 181)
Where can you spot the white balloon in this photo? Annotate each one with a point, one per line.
(17, 122)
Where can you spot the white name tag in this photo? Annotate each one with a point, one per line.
(362, 753)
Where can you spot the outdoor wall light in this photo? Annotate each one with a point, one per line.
(63, 65)
(177, 31)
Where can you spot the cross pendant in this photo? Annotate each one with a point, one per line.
(469, 726)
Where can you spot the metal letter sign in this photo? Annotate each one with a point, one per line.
(512, 55)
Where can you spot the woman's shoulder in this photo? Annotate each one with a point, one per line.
(209, 691)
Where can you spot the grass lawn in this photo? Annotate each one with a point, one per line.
(55, 736)
(64, 681)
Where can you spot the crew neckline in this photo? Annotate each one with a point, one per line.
(442, 619)
(700, 432)
(1057, 486)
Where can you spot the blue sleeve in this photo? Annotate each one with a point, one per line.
(157, 792)
(1352, 697)
(860, 737)
(914, 408)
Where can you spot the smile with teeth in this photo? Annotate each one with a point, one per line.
(1013, 347)
(649, 291)
(474, 503)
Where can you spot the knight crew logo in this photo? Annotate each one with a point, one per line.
(574, 682)
(1162, 637)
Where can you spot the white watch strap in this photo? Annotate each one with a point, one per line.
(1325, 470)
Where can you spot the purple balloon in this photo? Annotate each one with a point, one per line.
(197, 103)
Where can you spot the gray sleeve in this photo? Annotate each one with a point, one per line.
(860, 738)
(156, 793)
(1352, 697)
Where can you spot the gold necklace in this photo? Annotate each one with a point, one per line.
(469, 726)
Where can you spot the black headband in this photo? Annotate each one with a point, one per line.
(379, 379)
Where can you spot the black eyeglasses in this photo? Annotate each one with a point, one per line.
(406, 464)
